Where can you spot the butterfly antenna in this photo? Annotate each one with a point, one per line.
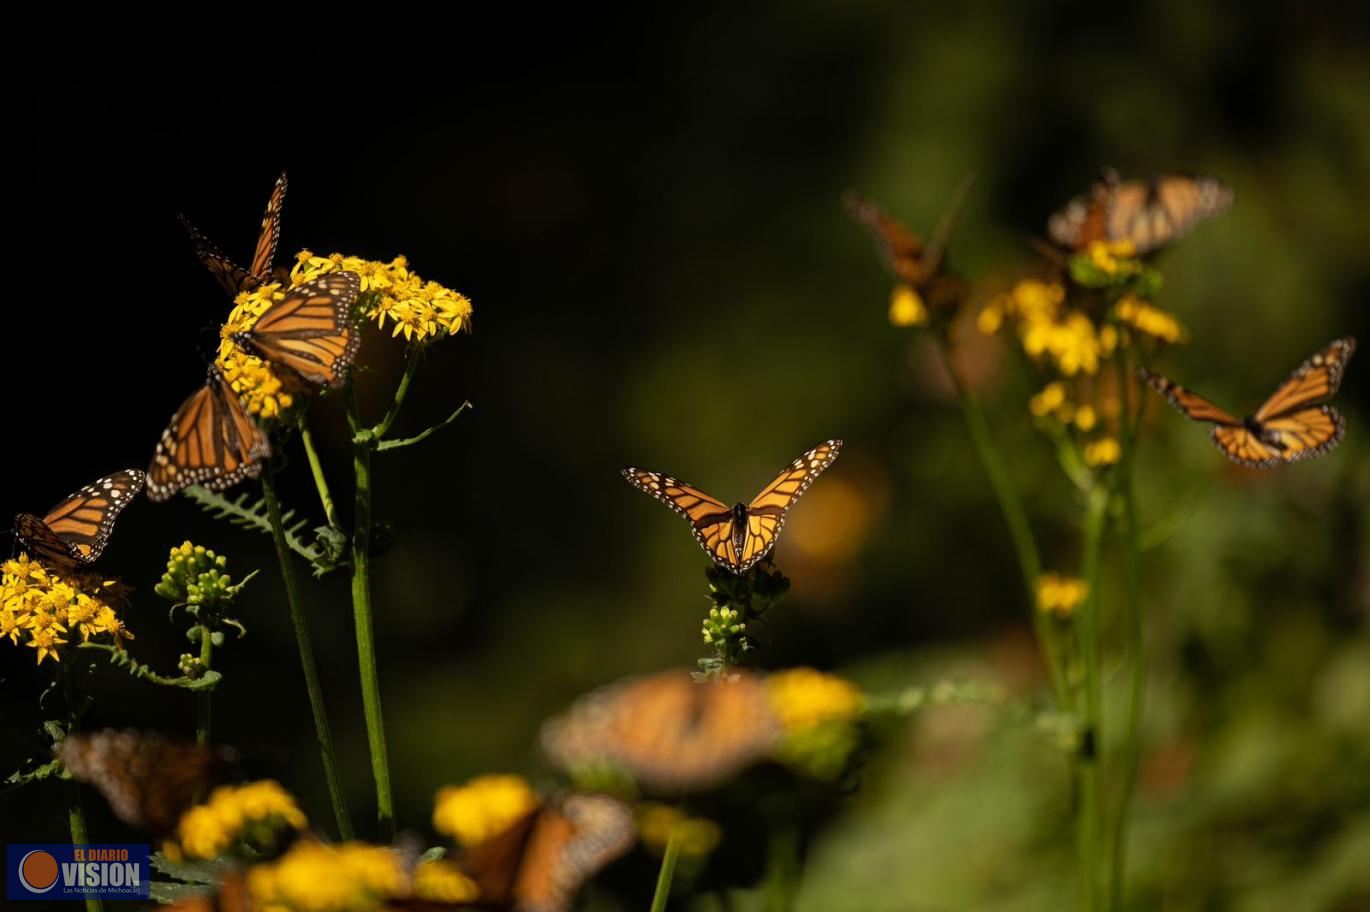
(937, 245)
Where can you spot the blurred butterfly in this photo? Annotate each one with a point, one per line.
(1149, 213)
(667, 731)
(310, 331)
(234, 278)
(541, 861)
(737, 537)
(1288, 426)
(212, 441)
(148, 780)
(903, 252)
(76, 531)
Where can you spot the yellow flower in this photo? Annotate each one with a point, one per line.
(391, 292)
(1103, 452)
(906, 307)
(442, 881)
(314, 877)
(1075, 347)
(41, 604)
(1060, 595)
(260, 389)
(255, 812)
(696, 836)
(482, 808)
(1113, 257)
(1085, 418)
(990, 318)
(804, 698)
(1150, 320)
(1051, 398)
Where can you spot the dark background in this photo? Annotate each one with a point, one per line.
(644, 212)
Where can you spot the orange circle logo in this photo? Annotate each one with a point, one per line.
(38, 871)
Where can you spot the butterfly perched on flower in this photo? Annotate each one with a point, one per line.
(1288, 426)
(309, 331)
(1149, 213)
(75, 532)
(211, 441)
(667, 731)
(540, 862)
(149, 780)
(737, 537)
(236, 279)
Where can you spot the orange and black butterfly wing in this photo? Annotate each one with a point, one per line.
(1304, 433)
(710, 519)
(1153, 213)
(310, 331)
(78, 528)
(1229, 434)
(901, 250)
(571, 839)
(232, 277)
(1317, 378)
(148, 780)
(1083, 220)
(211, 441)
(270, 236)
(766, 512)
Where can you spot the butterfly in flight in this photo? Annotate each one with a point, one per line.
(737, 537)
(543, 859)
(666, 731)
(234, 278)
(1288, 426)
(904, 253)
(149, 780)
(1149, 213)
(75, 532)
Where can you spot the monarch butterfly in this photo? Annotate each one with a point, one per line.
(738, 537)
(211, 441)
(1149, 213)
(1288, 426)
(904, 253)
(542, 860)
(309, 332)
(234, 278)
(666, 731)
(76, 531)
(148, 780)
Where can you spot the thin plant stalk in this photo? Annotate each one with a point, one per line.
(667, 872)
(76, 814)
(782, 868)
(1136, 657)
(316, 469)
(202, 699)
(1092, 809)
(311, 673)
(1020, 530)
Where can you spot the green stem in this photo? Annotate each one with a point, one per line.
(782, 868)
(202, 699)
(411, 365)
(667, 872)
(330, 512)
(363, 441)
(76, 815)
(1029, 562)
(1091, 814)
(1136, 642)
(311, 673)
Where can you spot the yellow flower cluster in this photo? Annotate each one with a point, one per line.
(314, 877)
(1103, 452)
(1113, 258)
(442, 881)
(236, 814)
(1150, 320)
(260, 390)
(907, 307)
(1060, 595)
(804, 698)
(391, 291)
(1046, 329)
(47, 608)
(1053, 400)
(482, 808)
(696, 836)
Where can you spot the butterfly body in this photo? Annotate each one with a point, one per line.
(309, 332)
(1289, 426)
(738, 537)
(76, 531)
